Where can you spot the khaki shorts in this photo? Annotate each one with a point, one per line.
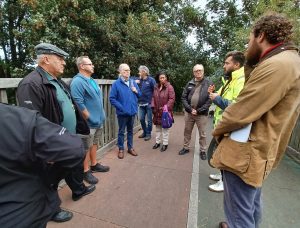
(92, 139)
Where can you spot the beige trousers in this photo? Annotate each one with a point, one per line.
(162, 132)
(190, 121)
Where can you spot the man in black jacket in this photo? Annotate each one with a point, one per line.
(35, 154)
(196, 102)
(44, 91)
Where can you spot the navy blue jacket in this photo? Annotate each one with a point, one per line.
(147, 88)
(123, 99)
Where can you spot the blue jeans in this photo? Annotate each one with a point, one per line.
(125, 122)
(146, 110)
(242, 202)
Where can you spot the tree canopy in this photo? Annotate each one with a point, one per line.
(137, 32)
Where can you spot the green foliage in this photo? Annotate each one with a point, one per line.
(227, 26)
(110, 32)
(137, 32)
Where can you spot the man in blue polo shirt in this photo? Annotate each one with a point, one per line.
(88, 96)
(146, 84)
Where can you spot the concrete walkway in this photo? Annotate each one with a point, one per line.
(150, 190)
(155, 190)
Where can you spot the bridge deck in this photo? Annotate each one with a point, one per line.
(153, 190)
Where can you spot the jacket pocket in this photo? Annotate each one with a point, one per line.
(235, 155)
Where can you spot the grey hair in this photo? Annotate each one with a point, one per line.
(144, 68)
(79, 60)
(39, 58)
(200, 65)
(121, 67)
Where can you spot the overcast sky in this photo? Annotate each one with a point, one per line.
(192, 37)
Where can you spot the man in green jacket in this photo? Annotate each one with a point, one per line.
(270, 101)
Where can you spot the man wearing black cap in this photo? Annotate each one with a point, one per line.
(44, 91)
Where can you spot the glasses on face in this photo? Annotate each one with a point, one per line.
(127, 70)
(89, 64)
(195, 71)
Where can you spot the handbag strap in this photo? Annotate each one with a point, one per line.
(165, 108)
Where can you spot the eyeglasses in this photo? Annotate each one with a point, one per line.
(127, 70)
(198, 71)
(90, 64)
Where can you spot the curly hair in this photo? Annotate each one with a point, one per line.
(276, 28)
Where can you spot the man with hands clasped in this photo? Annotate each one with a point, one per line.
(124, 97)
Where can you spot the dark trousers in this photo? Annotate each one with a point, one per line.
(73, 177)
(143, 112)
(242, 202)
(74, 180)
(125, 122)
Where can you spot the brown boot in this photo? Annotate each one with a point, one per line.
(223, 225)
(121, 154)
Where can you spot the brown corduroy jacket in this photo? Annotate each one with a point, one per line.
(270, 101)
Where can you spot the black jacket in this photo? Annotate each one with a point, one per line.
(37, 93)
(204, 101)
(28, 143)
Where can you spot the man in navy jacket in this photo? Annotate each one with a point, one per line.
(146, 84)
(124, 97)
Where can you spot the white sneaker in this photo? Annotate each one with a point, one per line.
(217, 187)
(215, 177)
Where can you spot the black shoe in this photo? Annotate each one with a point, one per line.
(88, 190)
(156, 145)
(183, 151)
(147, 138)
(142, 136)
(99, 168)
(202, 155)
(163, 148)
(90, 178)
(62, 216)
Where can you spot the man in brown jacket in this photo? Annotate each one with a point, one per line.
(270, 101)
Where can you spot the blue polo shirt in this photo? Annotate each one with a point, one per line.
(65, 102)
(88, 95)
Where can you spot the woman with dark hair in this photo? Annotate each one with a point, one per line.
(163, 95)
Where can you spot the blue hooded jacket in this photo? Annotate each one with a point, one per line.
(123, 98)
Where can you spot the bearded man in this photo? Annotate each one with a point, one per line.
(270, 100)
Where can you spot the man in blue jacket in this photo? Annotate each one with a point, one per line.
(124, 97)
(146, 84)
(88, 96)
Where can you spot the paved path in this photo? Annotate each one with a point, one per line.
(150, 190)
(153, 190)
